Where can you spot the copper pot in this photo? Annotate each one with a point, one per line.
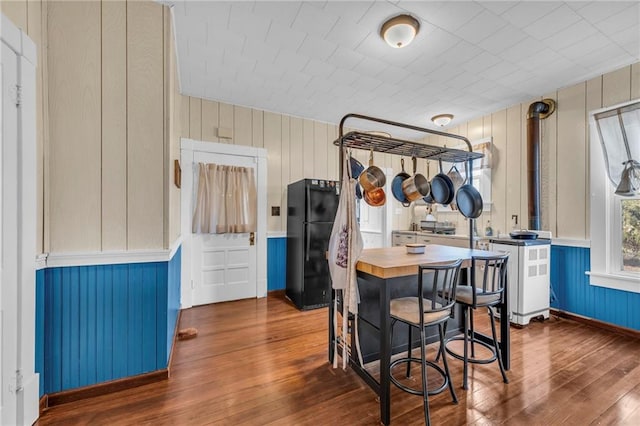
(375, 197)
(373, 177)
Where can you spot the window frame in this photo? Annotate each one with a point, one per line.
(606, 208)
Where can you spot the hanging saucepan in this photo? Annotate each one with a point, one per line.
(356, 171)
(469, 199)
(429, 198)
(417, 186)
(442, 189)
(455, 177)
(373, 177)
(396, 185)
(375, 198)
(457, 180)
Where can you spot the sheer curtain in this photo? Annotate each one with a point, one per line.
(225, 201)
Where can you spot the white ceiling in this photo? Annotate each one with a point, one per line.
(324, 59)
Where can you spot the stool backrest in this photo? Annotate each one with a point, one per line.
(494, 276)
(442, 285)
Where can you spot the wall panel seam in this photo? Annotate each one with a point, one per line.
(101, 132)
(126, 80)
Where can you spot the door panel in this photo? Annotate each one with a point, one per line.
(223, 266)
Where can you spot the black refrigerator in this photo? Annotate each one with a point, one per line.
(311, 210)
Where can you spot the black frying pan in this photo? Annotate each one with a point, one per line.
(442, 190)
(468, 199)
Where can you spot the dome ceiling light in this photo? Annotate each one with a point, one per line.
(442, 119)
(400, 30)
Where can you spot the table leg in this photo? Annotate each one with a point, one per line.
(331, 330)
(505, 345)
(385, 353)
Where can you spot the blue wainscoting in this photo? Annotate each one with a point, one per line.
(173, 297)
(574, 293)
(105, 322)
(276, 263)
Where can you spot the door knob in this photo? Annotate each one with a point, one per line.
(252, 238)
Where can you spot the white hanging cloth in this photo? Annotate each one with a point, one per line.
(225, 200)
(345, 246)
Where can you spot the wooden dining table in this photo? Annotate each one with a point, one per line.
(384, 271)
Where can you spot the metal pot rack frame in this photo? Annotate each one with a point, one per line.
(390, 145)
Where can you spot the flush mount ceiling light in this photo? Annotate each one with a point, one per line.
(400, 30)
(442, 119)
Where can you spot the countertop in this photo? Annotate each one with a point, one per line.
(393, 262)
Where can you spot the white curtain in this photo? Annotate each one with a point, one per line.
(225, 201)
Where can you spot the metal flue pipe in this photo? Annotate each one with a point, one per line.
(537, 111)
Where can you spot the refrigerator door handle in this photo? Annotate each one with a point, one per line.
(307, 203)
(307, 238)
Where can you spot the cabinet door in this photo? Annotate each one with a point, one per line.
(425, 240)
(402, 239)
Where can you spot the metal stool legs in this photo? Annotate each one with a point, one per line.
(469, 340)
(495, 339)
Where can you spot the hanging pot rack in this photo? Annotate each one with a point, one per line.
(390, 145)
(386, 144)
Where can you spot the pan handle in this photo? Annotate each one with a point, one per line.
(415, 162)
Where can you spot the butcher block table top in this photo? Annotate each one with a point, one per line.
(391, 262)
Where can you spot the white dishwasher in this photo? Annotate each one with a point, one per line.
(528, 275)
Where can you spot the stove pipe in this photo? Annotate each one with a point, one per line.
(537, 110)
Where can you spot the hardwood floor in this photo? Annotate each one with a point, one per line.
(259, 362)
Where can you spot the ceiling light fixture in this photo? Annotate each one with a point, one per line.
(442, 119)
(400, 30)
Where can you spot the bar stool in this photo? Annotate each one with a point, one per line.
(488, 293)
(423, 311)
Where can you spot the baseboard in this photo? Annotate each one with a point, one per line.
(175, 340)
(44, 403)
(597, 323)
(277, 293)
(71, 395)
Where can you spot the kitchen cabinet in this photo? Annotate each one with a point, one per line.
(401, 238)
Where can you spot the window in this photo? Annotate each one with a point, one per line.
(480, 175)
(631, 235)
(615, 219)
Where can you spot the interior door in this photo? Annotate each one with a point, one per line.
(223, 266)
(8, 237)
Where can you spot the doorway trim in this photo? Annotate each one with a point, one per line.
(187, 149)
(19, 216)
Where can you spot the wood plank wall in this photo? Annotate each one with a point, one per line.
(565, 155)
(296, 148)
(102, 135)
(105, 181)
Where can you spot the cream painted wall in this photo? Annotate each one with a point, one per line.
(565, 155)
(108, 138)
(111, 116)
